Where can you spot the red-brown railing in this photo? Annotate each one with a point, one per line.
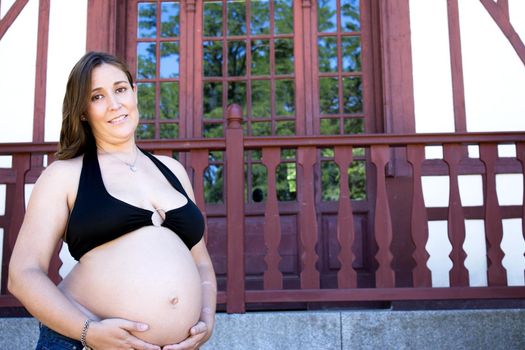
(383, 152)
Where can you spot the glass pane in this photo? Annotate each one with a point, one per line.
(212, 58)
(145, 131)
(212, 100)
(169, 100)
(352, 95)
(259, 183)
(350, 16)
(147, 20)
(212, 26)
(357, 180)
(261, 129)
(284, 97)
(351, 53)
(284, 56)
(236, 58)
(286, 182)
(169, 19)
(329, 181)
(328, 95)
(260, 57)
(169, 131)
(288, 153)
(169, 59)
(146, 60)
(213, 184)
(260, 17)
(327, 54)
(283, 16)
(329, 126)
(236, 18)
(237, 93)
(213, 130)
(326, 16)
(354, 126)
(285, 128)
(327, 152)
(146, 97)
(261, 99)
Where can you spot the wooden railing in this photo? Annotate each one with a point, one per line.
(399, 155)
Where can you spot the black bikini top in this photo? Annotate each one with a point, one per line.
(97, 217)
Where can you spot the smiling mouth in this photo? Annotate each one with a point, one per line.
(118, 119)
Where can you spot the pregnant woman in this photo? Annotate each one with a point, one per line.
(144, 278)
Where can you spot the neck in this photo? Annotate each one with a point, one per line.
(125, 148)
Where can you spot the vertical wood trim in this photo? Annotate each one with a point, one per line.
(131, 42)
(456, 65)
(308, 230)
(101, 26)
(196, 116)
(273, 278)
(456, 219)
(11, 16)
(41, 71)
(199, 163)
(520, 154)
(385, 277)
(397, 67)
(300, 97)
(421, 275)
(346, 276)
(235, 210)
(497, 275)
(308, 64)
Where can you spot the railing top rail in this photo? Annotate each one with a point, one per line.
(250, 142)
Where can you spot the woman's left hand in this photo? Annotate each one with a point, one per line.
(198, 336)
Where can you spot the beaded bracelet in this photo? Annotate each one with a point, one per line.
(84, 334)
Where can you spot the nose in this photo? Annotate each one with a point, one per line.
(114, 102)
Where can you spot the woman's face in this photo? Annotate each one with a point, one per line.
(112, 107)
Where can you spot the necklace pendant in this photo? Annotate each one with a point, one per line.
(133, 168)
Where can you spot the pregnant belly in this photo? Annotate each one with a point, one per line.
(147, 276)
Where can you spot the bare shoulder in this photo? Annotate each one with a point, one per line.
(61, 176)
(175, 166)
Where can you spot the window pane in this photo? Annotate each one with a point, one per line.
(260, 17)
(169, 59)
(169, 131)
(327, 16)
(329, 181)
(286, 182)
(261, 99)
(213, 130)
(350, 16)
(212, 58)
(354, 126)
(259, 183)
(352, 95)
(357, 180)
(329, 126)
(351, 53)
(285, 128)
(145, 131)
(261, 128)
(328, 94)
(327, 54)
(284, 56)
(147, 20)
(146, 60)
(283, 16)
(213, 184)
(236, 58)
(284, 97)
(237, 93)
(212, 100)
(260, 57)
(236, 18)
(146, 97)
(169, 19)
(212, 19)
(169, 100)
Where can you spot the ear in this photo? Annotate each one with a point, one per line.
(135, 90)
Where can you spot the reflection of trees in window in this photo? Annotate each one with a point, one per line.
(330, 176)
(213, 178)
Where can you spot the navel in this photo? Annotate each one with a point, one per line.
(174, 301)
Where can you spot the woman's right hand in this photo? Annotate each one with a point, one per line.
(115, 333)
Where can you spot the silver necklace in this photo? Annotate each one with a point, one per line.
(131, 166)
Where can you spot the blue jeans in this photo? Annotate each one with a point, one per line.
(51, 340)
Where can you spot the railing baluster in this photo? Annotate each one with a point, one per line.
(235, 211)
(199, 162)
(273, 278)
(493, 225)
(346, 277)
(385, 277)
(306, 158)
(456, 219)
(421, 275)
(520, 154)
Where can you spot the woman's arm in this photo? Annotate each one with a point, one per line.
(43, 226)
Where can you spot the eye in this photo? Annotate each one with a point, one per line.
(96, 97)
(121, 89)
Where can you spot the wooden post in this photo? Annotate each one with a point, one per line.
(235, 210)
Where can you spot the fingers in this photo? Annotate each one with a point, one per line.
(132, 326)
(191, 343)
(200, 327)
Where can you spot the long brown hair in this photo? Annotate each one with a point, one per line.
(76, 135)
